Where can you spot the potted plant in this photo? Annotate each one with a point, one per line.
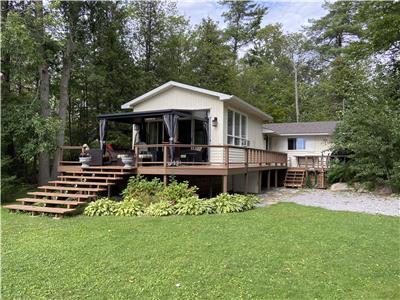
(84, 157)
(127, 160)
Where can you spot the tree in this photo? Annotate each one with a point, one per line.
(44, 87)
(150, 24)
(243, 20)
(71, 11)
(267, 73)
(334, 32)
(370, 130)
(210, 61)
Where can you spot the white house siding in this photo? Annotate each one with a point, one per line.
(177, 98)
(314, 145)
(254, 134)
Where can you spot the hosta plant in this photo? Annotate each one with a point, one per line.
(129, 207)
(159, 209)
(226, 203)
(191, 206)
(101, 207)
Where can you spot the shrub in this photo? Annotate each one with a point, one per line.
(101, 207)
(129, 208)
(226, 203)
(248, 201)
(192, 206)
(176, 191)
(340, 171)
(140, 188)
(158, 209)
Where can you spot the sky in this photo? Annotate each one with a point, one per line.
(291, 14)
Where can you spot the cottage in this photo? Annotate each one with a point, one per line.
(214, 140)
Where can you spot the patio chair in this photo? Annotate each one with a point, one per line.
(97, 157)
(145, 153)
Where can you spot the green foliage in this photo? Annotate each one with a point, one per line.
(139, 185)
(340, 171)
(211, 63)
(159, 209)
(243, 20)
(129, 208)
(140, 188)
(192, 206)
(101, 207)
(370, 130)
(175, 191)
(227, 203)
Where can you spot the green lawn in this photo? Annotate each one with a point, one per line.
(283, 251)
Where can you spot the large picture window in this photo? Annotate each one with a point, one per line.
(237, 129)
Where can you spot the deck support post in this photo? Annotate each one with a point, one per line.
(165, 180)
(210, 187)
(269, 179)
(246, 183)
(225, 183)
(276, 178)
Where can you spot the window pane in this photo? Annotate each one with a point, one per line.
(300, 144)
(244, 127)
(230, 122)
(237, 124)
(244, 143)
(291, 144)
(200, 133)
(237, 141)
(230, 140)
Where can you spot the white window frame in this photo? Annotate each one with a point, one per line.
(243, 141)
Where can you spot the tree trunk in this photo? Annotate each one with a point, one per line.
(296, 93)
(5, 57)
(64, 98)
(44, 77)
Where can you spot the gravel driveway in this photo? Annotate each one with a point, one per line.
(343, 201)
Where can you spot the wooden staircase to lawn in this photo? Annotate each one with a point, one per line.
(295, 178)
(71, 190)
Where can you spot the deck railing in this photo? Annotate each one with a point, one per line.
(322, 162)
(189, 154)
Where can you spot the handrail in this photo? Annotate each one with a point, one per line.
(250, 155)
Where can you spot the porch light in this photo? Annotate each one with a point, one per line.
(214, 122)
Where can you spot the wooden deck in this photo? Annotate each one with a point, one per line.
(76, 186)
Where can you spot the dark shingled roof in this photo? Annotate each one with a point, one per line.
(327, 127)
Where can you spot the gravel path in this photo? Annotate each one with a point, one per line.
(342, 201)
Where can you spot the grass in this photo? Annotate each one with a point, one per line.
(283, 251)
(20, 190)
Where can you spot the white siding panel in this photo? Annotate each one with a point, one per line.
(315, 145)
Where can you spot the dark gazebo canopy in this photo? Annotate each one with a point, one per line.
(170, 117)
(137, 117)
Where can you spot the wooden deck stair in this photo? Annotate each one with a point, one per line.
(71, 190)
(295, 178)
